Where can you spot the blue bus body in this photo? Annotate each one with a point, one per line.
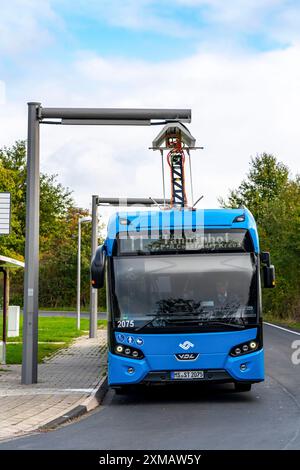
(156, 348)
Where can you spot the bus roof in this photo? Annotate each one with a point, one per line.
(186, 218)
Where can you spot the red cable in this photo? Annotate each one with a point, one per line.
(177, 149)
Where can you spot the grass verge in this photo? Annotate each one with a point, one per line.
(68, 309)
(51, 330)
(289, 323)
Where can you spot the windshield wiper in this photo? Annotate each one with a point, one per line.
(154, 318)
(191, 318)
(223, 323)
(145, 324)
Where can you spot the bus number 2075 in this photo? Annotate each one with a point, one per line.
(125, 323)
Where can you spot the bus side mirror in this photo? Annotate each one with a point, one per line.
(269, 276)
(98, 268)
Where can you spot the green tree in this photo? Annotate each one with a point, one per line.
(58, 273)
(58, 233)
(55, 201)
(265, 182)
(273, 197)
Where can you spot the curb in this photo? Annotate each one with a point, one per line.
(89, 404)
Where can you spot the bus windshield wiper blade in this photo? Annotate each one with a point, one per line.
(172, 318)
(148, 322)
(224, 323)
(154, 317)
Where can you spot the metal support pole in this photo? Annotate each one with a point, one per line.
(94, 292)
(163, 176)
(5, 310)
(30, 316)
(7, 288)
(80, 221)
(131, 201)
(78, 274)
(116, 114)
(191, 178)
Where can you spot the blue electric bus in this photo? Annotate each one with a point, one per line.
(183, 297)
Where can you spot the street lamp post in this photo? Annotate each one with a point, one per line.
(94, 292)
(80, 221)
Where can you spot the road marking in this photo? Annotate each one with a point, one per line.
(281, 328)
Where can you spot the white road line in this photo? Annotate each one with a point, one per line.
(281, 328)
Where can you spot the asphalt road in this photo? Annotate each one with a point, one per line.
(194, 417)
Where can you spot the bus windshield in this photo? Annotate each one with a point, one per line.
(188, 290)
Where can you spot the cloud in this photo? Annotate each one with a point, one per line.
(210, 21)
(241, 105)
(234, 12)
(242, 102)
(31, 25)
(142, 15)
(27, 25)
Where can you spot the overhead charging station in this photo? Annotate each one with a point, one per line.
(37, 114)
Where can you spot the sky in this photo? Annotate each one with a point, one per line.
(236, 64)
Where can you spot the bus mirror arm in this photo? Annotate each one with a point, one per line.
(265, 258)
(98, 268)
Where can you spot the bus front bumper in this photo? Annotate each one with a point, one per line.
(157, 368)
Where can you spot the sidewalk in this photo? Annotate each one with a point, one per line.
(67, 380)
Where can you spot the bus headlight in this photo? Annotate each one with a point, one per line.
(128, 351)
(244, 348)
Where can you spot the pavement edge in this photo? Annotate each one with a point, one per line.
(89, 404)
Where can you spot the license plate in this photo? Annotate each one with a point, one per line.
(187, 374)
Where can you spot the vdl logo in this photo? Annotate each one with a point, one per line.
(186, 345)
